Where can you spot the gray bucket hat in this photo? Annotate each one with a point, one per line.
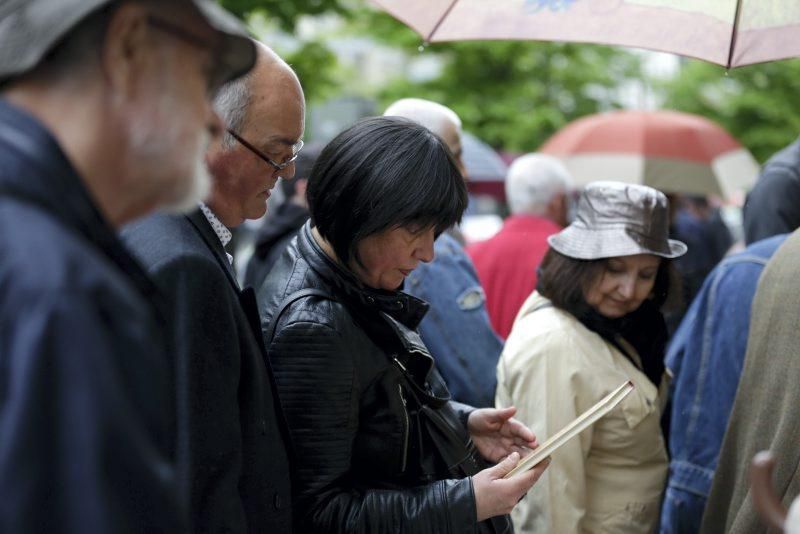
(30, 28)
(616, 219)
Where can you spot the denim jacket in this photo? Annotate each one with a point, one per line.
(456, 329)
(706, 356)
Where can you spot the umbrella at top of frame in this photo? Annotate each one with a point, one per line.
(731, 33)
(668, 150)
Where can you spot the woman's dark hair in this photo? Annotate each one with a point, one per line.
(565, 280)
(382, 173)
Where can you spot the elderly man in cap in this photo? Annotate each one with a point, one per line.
(104, 111)
(232, 440)
(456, 329)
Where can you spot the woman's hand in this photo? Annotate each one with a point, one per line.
(497, 434)
(495, 495)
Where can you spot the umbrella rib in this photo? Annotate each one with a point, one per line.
(441, 19)
(734, 33)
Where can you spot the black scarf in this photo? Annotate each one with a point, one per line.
(645, 329)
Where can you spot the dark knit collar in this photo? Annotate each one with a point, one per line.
(644, 329)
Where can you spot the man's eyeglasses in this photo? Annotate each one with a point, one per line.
(275, 165)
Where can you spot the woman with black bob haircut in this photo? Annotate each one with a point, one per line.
(595, 322)
(379, 446)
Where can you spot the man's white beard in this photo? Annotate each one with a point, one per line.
(157, 145)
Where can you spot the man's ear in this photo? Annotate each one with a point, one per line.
(126, 52)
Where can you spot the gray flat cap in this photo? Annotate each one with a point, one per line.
(615, 219)
(30, 28)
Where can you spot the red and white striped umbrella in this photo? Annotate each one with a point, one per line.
(731, 33)
(670, 151)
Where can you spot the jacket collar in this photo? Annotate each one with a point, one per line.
(207, 233)
(401, 306)
(35, 170)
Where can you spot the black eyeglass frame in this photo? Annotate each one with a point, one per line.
(275, 165)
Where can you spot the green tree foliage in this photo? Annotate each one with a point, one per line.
(316, 67)
(758, 105)
(284, 12)
(512, 94)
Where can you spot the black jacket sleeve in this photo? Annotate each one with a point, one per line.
(315, 373)
(78, 433)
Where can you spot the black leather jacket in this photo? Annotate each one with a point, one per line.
(357, 461)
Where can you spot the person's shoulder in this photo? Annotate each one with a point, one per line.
(783, 165)
(783, 263)
(162, 237)
(321, 310)
(545, 329)
(42, 255)
(319, 307)
(763, 249)
(447, 245)
(450, 267)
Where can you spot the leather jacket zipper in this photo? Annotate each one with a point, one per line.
(405, 434)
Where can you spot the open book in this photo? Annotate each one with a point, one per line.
(584, 421)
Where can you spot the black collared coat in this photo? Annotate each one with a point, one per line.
(232, 452)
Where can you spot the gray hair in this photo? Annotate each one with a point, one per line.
(231, 105)
(429, 114)
(533, 181)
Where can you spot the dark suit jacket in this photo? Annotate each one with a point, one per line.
(232, 446)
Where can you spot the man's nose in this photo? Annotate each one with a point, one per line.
(289, 171)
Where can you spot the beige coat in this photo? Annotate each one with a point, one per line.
(609, 478)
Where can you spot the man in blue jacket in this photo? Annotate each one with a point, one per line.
(103, 108)
(706, 356)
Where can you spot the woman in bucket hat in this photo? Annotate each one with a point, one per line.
(593, 323)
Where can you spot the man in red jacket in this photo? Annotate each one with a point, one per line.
(536, 190)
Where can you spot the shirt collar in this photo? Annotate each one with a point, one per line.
(220, 229)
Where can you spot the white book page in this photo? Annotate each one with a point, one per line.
(584, 421)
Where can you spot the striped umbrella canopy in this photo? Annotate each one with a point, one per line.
(670, 151)
(731, 33)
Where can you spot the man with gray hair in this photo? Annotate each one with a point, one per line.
(456, 329)
(233, 444)
(537, 188)
(105, 110)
